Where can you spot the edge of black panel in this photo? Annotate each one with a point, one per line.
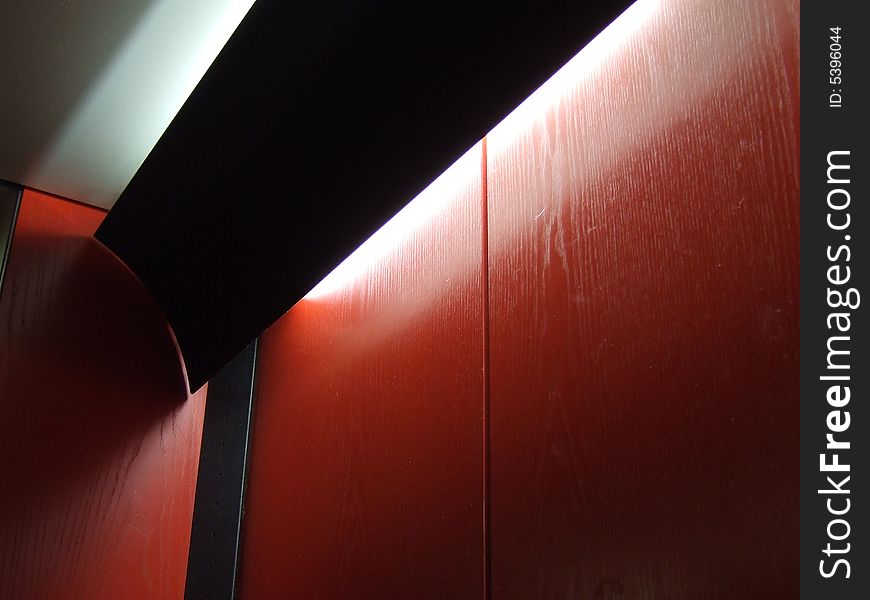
(10, 202)
(314, 125)
(215, 538)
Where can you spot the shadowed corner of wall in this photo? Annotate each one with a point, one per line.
(87, 370)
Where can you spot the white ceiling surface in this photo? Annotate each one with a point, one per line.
(87, 87)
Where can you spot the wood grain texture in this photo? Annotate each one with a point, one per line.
(643, 216)
(98, 441)
(366, 472)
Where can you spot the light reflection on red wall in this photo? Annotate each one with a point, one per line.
(640, 216)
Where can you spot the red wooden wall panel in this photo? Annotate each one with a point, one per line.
(99, 443)
(366, 476)
(643, 264)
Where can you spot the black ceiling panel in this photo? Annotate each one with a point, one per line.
(315, 124)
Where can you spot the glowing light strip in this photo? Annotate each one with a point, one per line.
(422, 210)
(432, 201)
(605, 45)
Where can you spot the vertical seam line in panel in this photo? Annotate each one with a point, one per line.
(487, 476)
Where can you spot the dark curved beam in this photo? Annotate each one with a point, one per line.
(316, 123)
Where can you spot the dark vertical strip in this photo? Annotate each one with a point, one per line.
(220, 486)
(10, 200)
(487, 478)
(834, 332)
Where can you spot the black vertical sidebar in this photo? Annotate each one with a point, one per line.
(220, 486)
(835, 226)
(10, 200)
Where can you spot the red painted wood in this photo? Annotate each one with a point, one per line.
(99, 444)
(643, 256)
(366, 473)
